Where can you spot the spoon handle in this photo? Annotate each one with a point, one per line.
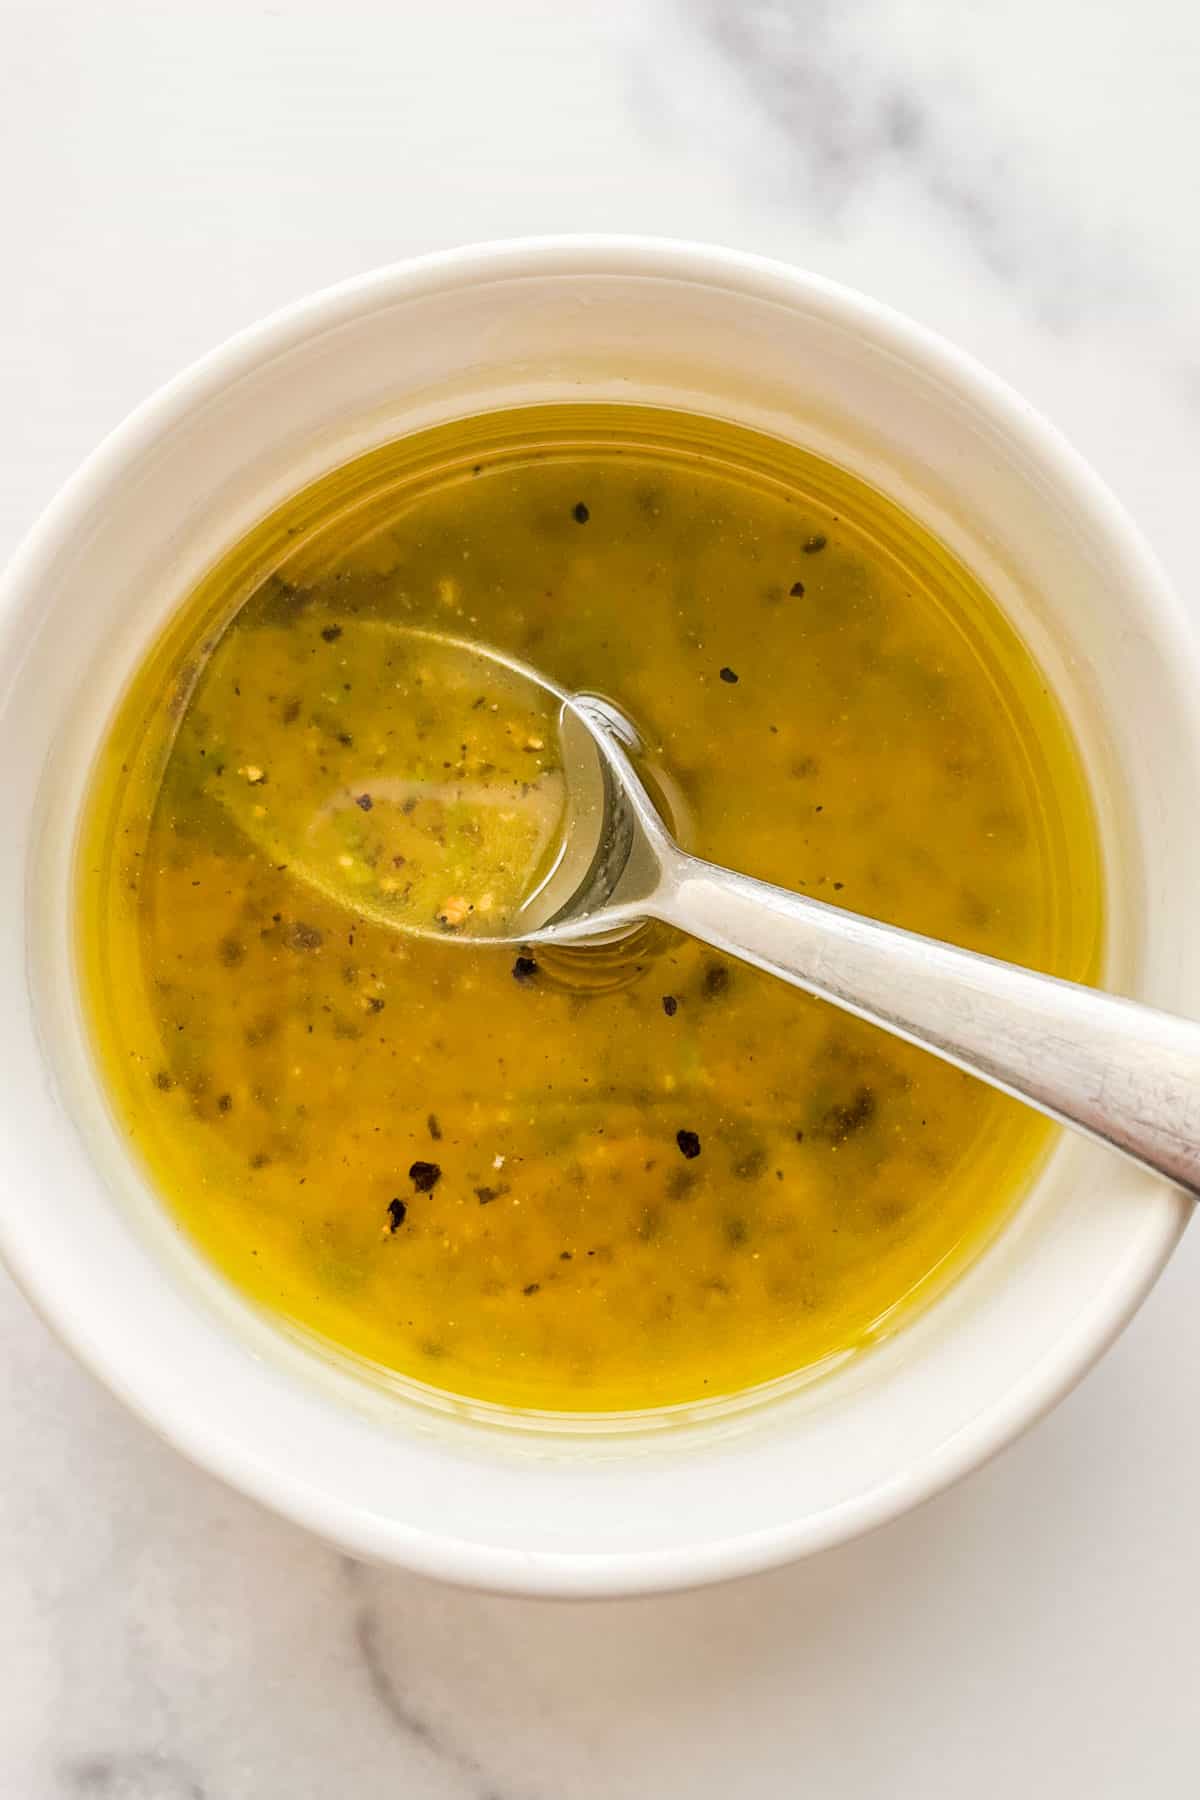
(1121, 1072)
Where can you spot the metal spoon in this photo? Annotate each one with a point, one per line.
(1118, 1071)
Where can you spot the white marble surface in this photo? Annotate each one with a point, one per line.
(1024, 178)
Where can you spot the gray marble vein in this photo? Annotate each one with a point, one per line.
(129, 1776)
(853, 108)
(386, 1685)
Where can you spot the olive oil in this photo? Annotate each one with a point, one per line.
(427, 1152)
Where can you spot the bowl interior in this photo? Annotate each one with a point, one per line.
(449, 1492)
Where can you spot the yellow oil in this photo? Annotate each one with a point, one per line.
(452, 1166)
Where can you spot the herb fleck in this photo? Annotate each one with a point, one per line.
(716, 980)
(435, 1130)
(842, 1121)
(533, 1288)
(300, 936)
(817, 542)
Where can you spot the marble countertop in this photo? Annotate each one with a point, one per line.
(1021, 177)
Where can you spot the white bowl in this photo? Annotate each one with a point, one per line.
(450, 1493)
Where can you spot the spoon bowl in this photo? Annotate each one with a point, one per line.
(450, 818)
(551, 833)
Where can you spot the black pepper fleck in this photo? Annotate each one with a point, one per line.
(533, 1288)
(670, 1005)
(331, 633)
(365, 802)
(224, 1103)
(817, 542)
(689, 1143)
(716, 980)
(397, 1213)
(580, 513)
(524, 969)
(797, 590)
(424, 1176)
(728, 675)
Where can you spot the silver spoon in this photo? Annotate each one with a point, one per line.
(1118, 1071)
(1121, 1072)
